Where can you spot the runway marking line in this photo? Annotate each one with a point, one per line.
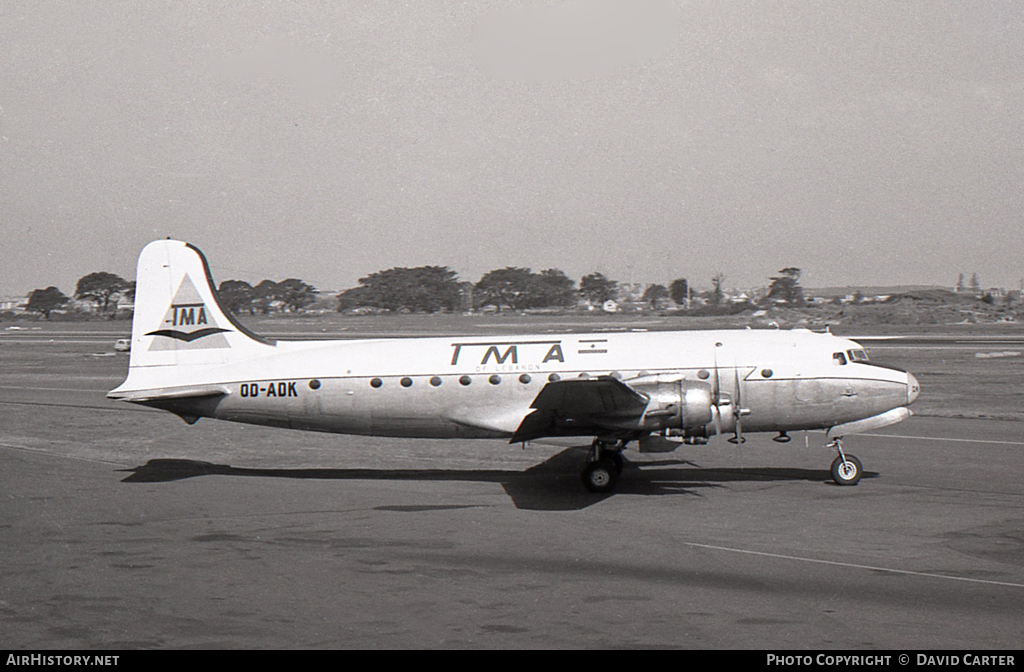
(56, 389)
(946, 438)
(36, 451)
(112, 406)
(851, 565)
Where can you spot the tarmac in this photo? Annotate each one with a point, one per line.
(124, 527)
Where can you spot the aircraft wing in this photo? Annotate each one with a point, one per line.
(570, 404)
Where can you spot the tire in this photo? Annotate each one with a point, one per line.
(600, 476)
(847, 473)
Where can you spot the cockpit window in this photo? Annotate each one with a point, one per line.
(857, 355)
(840, 358)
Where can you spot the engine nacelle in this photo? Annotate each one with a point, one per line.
(676, 404)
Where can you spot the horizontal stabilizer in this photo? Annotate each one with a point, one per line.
(169, 393)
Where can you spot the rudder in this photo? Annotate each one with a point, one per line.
(178, 319)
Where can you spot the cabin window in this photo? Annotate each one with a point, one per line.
(857, 355)
(406, 382)
(376, 382)
(839, 358)
(435, 381)
(554, 378)
(525, 379)
(465, 380)
(766, 373)
(314, 384)
(495, 379)
(703, 374)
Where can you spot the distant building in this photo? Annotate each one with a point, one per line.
(118, 303)
(867, 294)
(741, 296)
(631, 292)
(465, 297)
(13, 304)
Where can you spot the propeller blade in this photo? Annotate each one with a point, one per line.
(738, 436)
(739, 392)
(717, 386)
(737, 409)
(716, 392)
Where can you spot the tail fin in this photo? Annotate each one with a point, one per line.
(178, 320)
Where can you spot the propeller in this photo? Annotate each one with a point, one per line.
(737, 410)
(737, 402)
(717, 394)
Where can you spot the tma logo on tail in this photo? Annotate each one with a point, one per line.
(188, 324)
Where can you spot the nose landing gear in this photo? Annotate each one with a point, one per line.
(846, 468)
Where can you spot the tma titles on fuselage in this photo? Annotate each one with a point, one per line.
(652, 389)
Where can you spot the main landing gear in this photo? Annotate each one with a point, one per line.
(846, 468)
(604, 466)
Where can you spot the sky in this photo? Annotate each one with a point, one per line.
(864, 142)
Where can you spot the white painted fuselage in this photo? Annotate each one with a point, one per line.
(483, 386)
(190, 357)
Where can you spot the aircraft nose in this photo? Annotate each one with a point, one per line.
(913, 388)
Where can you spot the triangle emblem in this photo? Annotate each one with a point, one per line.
(188, 323)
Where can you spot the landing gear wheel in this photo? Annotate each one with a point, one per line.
(848, 471)
(600, 476)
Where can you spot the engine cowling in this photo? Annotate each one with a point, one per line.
(676, 404)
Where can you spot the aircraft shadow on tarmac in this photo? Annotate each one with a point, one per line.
(553, 485)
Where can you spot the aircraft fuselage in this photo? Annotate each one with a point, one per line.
(483, 387)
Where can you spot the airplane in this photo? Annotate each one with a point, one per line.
(191, 357)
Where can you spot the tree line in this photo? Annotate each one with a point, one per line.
(291, 295)
(104, 290)
(427, 289)
(437, 288)
(432, 289)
